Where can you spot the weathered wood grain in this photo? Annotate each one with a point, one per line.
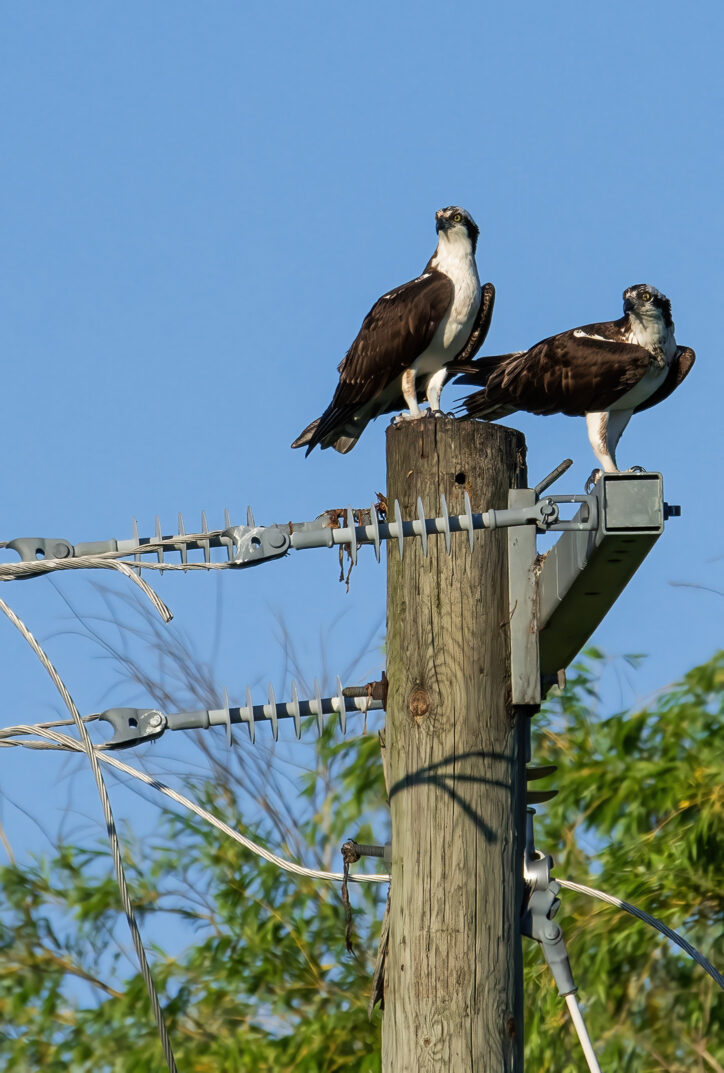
(453, 989)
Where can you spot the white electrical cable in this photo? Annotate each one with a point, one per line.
(585, 1040)
(63, 741)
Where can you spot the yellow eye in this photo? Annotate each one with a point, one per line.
(457, 218)
(646, 296)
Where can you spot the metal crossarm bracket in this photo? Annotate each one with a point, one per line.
(584, 573)
(132, 726)
(558, 600)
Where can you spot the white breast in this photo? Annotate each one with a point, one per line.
(659, 340)
(455, 258)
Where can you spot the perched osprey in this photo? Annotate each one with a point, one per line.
(606, 372)
(410, 339)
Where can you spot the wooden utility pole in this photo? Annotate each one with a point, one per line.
(453, 987)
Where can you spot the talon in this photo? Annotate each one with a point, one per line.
(593, 480)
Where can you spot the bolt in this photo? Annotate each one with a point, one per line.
(551, 931)
(155, 719)
(60, 551)
(276, 538)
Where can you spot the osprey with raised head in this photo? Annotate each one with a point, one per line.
(605, 372)
(410, 340)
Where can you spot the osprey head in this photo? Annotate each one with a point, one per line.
(454, 222)
(646, 303)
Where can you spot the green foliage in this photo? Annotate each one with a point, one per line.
(264, 981)
(260, 979)
(640, 814)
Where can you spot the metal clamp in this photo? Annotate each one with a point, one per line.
(537, 923)
(542, 905)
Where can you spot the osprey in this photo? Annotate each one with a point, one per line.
(605, 372)
(410, 340)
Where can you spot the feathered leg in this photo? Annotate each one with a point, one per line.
(604, 432)
(434, 389)
(410, 396)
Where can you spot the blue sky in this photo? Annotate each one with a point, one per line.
(202, 201)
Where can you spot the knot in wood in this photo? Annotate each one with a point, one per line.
(419, 704)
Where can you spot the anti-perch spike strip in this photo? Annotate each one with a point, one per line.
(469, 517)
(136, 539)
(352, 536)
(400, 533)
(342, 711)
(250, 715)
(159, 538)
(375, 522)
(133, 726)
(318, 706)
(273, 713)
(227, 721)
(182, 545)
(295, 711)
(205, 543)
(423, 525)
(446, 522)
(246, 545)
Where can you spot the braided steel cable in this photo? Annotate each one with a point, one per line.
(85, 745)
(11, 571)
(653, 922)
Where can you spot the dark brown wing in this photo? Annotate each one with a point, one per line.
(479, 331)
(569, 373)
(397, 329)
(678, 371)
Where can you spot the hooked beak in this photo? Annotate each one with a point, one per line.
(441, 223)
(628, 304)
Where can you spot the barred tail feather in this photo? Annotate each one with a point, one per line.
(311, 436)
(344, 444)
(477, 372)
(477, 405)
(307, 434)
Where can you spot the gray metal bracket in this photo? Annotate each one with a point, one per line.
(557, 600)
(583, 574)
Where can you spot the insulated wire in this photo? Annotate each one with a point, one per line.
(63, 741)
(54, 740)
(85, 745)
(585, 1040)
